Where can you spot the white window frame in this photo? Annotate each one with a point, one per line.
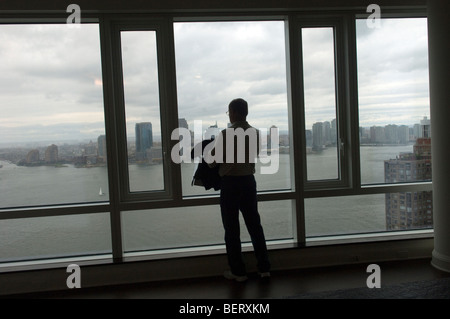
(122, 200)
(168, 106)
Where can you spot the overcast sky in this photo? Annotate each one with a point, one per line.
(50, 83)
(51, 88)
(393, 72)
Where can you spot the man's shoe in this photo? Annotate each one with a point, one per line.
(229, 275)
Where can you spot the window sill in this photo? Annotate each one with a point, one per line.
(368, 238)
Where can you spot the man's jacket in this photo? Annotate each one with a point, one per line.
(205, 175)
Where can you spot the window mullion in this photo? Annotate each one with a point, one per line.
(297, 129)
(169, 106)
(108, 73)
(352, 107)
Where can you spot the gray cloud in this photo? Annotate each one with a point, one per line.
(393, 72)
(48, 70)
(217, 62)
(58, 86)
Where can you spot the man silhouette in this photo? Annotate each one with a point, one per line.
(238, 190)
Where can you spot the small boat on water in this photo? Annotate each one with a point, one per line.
(100, 193)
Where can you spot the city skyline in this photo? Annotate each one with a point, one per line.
(185, 123)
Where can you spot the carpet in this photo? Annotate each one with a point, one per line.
(429, 289)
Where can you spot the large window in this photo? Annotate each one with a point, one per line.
(344, 115)
(394, 132)
(318, 48)
(52, 131)
(215, 63)
(143, 121)
(394, 104)
(365, 214)
(198, 226)
(54, 237)
(221, 61)
(345, 215)
(394, 111)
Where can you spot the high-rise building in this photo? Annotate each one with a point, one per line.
(333, 132)
(144, 139)
(416, 130)
(90, 149)
(182, 123)
(101, 147)
(51, 154)
(32, 157)
(377, 135)
(403, 134)
(409, 210)
(391, 134)
(317, 137)
(425, 127)
(309, 138)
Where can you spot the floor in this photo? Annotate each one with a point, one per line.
(281, 284)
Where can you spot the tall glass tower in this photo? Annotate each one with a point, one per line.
(144, 138)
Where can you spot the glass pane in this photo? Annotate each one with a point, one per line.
(197, 226)
(220, 61)
(320, 103)
(368, 213)
(409, 210)
(394, 105)
(142, 109)
(52, 134)
(56, 236)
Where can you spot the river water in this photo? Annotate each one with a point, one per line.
(31, 238)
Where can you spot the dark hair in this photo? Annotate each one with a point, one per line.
(240, 106)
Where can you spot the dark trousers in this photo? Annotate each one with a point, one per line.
(239, 193)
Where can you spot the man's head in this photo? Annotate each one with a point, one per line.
(238, 110)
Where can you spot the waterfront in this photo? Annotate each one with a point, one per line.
(174, 227)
